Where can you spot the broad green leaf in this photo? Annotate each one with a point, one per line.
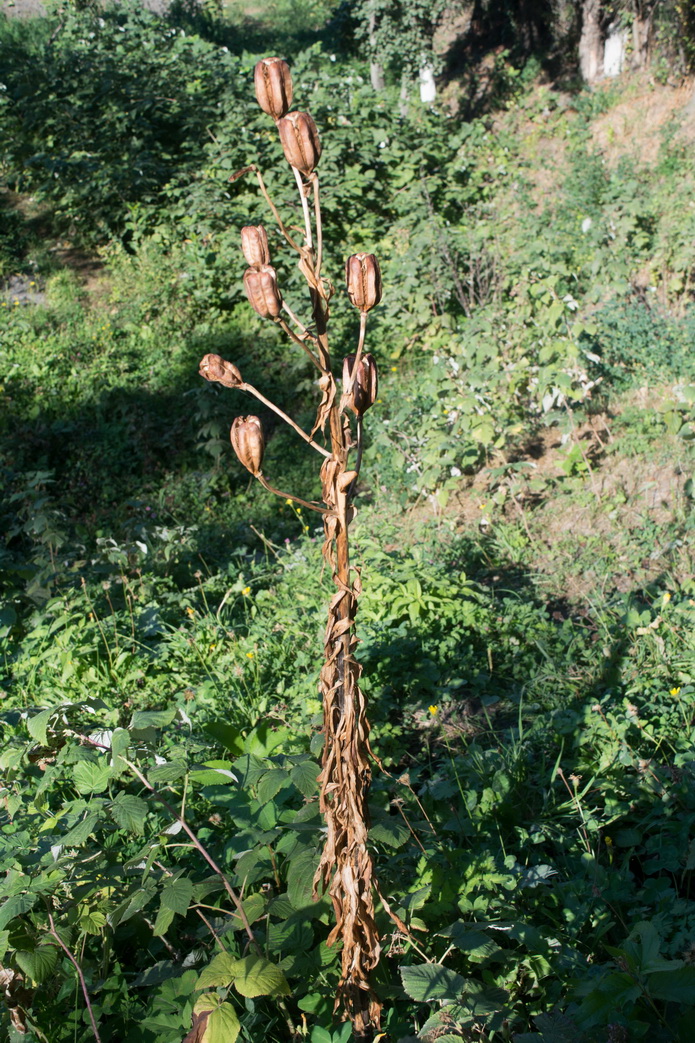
(90, 777)
(227, 736)
(427, 982)
(256, 976)
(120, 741)
(254, 906)
(477, 945)
(320, 1035)
(4, 943)
(676, 986)
(170, 771)
(151, 719)
(37, 726)
(92, 922)
(271, 783)
(264, 739)
(38, 964)
(15, 906)
(300, 878)
(129, 812)
(79, 833)
(163, 921)
(177, 894)
(304, 776)
(393, 832)
(156, 974)
(215, 773)
(223, 1025)
(416, 899)
(218, 973)
(480, 1001)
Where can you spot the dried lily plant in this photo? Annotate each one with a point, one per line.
(345, 869)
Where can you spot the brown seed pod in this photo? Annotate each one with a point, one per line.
(261, 286)
(300, 141)
(214, 367)
(273, 84)
(365, 386)
(254, 244)
(248, 442)
(363, 278)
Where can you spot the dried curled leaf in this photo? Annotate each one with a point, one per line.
(273, 82)
(327, 388)
(300, 141)
(215, 368)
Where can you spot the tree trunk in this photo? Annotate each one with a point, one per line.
(591, 42)
(642, 34)
(376, 69)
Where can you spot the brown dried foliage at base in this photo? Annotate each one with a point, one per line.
(345, 870)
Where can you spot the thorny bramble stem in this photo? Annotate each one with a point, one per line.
(80, 975)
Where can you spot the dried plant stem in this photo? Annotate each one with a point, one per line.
(319, 226)
(80, 975)
(298, 340)
(288, 496)
(276, 215)
(305, 208)
(345, 869)
(358, 354)
(288, 420)
(358, 458)
(297, 322)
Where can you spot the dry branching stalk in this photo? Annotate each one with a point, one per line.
(345, 869)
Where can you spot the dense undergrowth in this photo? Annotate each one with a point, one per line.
(525, 534)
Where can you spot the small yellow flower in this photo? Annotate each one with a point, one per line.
(482, 506)
(288, 502)
(609, 841)
(675, 691)
(666, 598)
(190, 611)
(249, 655)
(213, 647)
(394, 369)
(433, 710)
(306, 528)
(246, 591)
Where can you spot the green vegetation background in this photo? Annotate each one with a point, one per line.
(525, 532)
